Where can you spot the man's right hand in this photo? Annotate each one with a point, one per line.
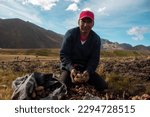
(73, 74)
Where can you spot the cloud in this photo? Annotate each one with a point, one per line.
(76, 1)
(72, 7)
(137, 32)
(102, 11)
(113, 7)
(87, 9)
(45, 4)
(13, 9)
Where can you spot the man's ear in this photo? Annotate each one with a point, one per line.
(78, 21)
(93, 24)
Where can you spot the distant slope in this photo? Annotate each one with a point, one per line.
(108, 45)
(141, 47)
(16, 33)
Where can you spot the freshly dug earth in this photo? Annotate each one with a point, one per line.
(128, 78)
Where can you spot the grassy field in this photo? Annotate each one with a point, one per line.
(19, 62)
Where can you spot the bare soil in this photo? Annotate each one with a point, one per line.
(127, 77)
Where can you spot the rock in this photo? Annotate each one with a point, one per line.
(89, 96)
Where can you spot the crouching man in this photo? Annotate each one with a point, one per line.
(80, 54)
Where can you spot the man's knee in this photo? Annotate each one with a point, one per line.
(65, 78)
(98, 82)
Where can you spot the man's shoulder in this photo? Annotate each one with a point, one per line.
(73, 30)
(95, 35)
(71, 34)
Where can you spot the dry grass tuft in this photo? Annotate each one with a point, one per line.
(122, 73)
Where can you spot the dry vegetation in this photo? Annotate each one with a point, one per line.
(127, 73)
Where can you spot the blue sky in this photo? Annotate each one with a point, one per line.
(122, 21)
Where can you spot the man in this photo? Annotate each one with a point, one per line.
(80, 54)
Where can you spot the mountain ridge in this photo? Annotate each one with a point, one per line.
(16, 33)
(108, 45)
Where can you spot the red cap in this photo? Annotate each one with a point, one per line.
(88, 14)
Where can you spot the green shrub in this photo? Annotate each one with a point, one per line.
(42, 53)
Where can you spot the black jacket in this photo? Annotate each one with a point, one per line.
(73, 52)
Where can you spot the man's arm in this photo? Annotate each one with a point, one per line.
(65, 52)
(94, 58)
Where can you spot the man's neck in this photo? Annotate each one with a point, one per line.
(84, 34)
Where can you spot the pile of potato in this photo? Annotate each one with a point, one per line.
(39, 92)
(80, 78)
(143, 97)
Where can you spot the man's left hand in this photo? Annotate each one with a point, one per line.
(85, 76)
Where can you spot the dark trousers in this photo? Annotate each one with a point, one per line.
(94, 80)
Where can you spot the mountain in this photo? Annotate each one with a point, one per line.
(108, 45)
(16, 33)
(126, 46)
(141, 47)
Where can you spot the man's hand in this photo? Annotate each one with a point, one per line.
(73, 74)
(85, 76)
(78, 78)
(81, 77)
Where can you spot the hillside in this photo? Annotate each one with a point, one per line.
(108, 45)
(16, 33)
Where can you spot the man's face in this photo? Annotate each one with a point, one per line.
(85, 25)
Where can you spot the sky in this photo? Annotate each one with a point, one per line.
(122, 21)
